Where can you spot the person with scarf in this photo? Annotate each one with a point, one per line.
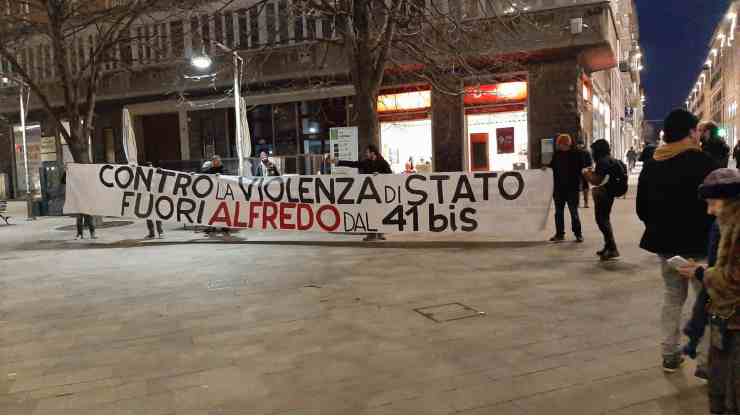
(676, 220)
(721, 279)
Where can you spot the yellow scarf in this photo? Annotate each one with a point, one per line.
(670, 150)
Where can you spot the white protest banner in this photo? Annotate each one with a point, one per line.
(482, 202)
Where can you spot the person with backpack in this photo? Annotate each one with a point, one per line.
(609, 179)
(676, 220)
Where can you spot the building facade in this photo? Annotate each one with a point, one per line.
(717, 90)
(576, 71)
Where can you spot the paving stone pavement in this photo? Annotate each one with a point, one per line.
(297, 323)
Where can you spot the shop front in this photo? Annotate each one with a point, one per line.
(406, 130)
(497, 126)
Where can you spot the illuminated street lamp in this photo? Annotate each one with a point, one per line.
(201, 62)
(204, 62)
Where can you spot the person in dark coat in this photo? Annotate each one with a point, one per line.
(567, 166)
(714, 145)
(374, 163)
(647, 153)
(676, 220)
(736, 155)
(215, 167)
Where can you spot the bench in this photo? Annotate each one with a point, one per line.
(3, 210)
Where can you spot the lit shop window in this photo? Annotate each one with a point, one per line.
(505, 92)
(405, 101)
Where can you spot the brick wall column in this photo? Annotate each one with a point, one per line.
(554, 106)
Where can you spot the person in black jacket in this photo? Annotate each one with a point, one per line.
(675, 218)
(567, 165)
(373, 163)
(603, 178)
(647, 153)
(215, 167)
(736, 155)
(713, 144)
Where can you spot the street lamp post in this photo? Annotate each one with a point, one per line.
(29, 200)
(203, 62)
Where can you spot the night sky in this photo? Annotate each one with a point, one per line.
(674, 36)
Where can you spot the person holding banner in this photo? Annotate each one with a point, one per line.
(81, 220)
(265, 166)
(373, 164)
(150, 224)
(215, 167)
(567, 165)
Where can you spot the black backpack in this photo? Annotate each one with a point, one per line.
(618, 179)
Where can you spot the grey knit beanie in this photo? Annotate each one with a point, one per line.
(721, 184)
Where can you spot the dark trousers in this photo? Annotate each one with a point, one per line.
(696, 326)
(603, 203)
(570, 198)
(150, 226)
(85, 220)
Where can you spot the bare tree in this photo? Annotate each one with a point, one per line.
(435, 41)
(43, 40)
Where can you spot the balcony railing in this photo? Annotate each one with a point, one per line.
(245, 25)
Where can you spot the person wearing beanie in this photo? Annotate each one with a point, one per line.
(676, 220)
(567, 164)
(714, 145)
(721, 292)
(604, 178)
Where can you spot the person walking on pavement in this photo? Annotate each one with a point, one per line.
(676, 220)
(588, 161)
(632, 158)
(605, 178)
(567, 166)
(714, 145)
(374, 163)
(736, 155)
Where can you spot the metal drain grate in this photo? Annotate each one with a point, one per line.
(448, 312)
